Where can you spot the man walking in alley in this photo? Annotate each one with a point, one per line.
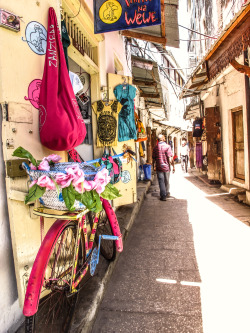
(162, 158)
(184, 154)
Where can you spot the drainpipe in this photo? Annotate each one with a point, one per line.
(247, 88)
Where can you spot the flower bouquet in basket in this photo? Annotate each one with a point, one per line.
(66, 186)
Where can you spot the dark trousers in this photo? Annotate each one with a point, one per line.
(163, 180)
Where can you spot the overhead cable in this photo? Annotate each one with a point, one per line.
(197, 32)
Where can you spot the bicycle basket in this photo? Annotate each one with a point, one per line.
(50, 198)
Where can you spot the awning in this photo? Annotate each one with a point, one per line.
(146, 77)
(192, 111)
(230, 45)
(167, 33)
(172, 129)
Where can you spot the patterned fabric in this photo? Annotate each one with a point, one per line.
(125, 94)
(161, 153)
(107, 116)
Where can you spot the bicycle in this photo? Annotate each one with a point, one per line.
(68, 252)
(184, 163)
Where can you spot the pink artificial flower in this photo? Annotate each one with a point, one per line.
(79, 187)
(89, 185)
(44, 165)
(54, 158)
(33, 183)
(32, 167)
(78, 177)
(45, 181)
(103, 177)
(64, 180)
(100, 188)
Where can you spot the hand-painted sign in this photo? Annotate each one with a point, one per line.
(113, 15)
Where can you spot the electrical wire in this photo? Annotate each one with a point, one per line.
(199, 33)
(177, 68)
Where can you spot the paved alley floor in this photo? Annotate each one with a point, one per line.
(185, 267)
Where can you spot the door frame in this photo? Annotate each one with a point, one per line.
(234, 111)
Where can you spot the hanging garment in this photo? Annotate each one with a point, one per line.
(141, 132)
(60, 122)
(197, 128)
(199, 156)
(125, 94)
(76, 82)
(65, 41)
(141, 152)
(107, 116)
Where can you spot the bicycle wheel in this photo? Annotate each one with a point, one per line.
(107, 248)
(56, 305)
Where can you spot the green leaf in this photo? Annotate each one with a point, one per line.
(35, 192)
(23, 153)
(98, 203)
(69, 197)
(110, 192)
(91, 200)
(87, 199)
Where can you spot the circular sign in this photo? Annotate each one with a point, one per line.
(110, 11)
(125, 176)
(36, 37)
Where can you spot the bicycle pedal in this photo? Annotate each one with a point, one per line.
(109, 237)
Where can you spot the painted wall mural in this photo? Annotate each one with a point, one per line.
(36, 37)
(34, 92)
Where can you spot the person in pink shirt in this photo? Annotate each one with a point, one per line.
(162, 157)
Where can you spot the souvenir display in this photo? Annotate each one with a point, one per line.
(65, 41)
(197, 128)
(125, 94)
(141, 132)
(107, 116)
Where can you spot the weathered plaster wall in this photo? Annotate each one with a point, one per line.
(230, 95)
(18, 67)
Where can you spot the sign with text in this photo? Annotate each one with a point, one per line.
(113, 15)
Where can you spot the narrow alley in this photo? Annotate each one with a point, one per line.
(185, 266)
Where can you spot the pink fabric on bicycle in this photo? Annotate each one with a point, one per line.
(115, 166)
(61, 125)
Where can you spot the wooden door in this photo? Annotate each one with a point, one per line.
(238, 143)
(127, 186)
(214, 152)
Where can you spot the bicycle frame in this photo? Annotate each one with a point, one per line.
(36, 278)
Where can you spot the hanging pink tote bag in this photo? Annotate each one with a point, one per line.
(60, 122)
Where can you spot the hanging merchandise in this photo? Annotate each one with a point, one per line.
(125, 94)
(76, 82)
(199, 156)
(141, 151)
(107, 115)
(141, 132)
(65, 41)
(113, 165)
(60, 122)
(197, 128)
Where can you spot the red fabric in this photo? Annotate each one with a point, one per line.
(60, 122)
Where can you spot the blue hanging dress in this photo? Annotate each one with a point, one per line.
(125, 94)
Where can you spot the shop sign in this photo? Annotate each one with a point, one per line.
(113, 15)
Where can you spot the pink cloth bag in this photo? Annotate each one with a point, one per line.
(61, 125)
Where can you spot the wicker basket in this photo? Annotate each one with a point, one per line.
(50, 199)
